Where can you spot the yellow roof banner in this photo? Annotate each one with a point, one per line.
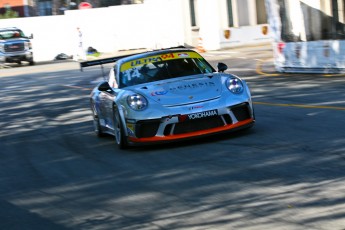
(158, 58)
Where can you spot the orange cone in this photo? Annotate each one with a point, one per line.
(200, 46)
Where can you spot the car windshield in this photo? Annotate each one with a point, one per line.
(11, 34)
(161, 67)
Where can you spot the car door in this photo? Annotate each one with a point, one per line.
(106, 108)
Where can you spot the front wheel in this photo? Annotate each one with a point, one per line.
(119, 131)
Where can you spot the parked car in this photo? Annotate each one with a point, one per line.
(15, 47)
(168, 95)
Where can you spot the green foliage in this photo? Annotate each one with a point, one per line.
(96, 54)
(9, 14)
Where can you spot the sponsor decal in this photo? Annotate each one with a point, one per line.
(199, 115)
(193, 86)
(157, 58)
(196, 107)
(159, 93)
(144, 61)
(183, 55)
(131, 69)
(168, 56)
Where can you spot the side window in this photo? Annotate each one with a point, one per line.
(203, 66)
(112, 79)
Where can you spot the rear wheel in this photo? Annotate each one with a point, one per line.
(96, 124)
(119, 131)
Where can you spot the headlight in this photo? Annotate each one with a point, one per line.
(235, 85)
(137, 102)
(28, 46)
(2, 49)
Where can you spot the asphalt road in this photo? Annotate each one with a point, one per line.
(287, 172)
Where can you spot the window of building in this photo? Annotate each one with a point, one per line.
(261, 17)
(193, 12)
(243, 12)
(45, 8)
(230, 14)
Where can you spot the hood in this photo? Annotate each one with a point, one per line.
(180, 91)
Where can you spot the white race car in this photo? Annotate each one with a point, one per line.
(168, 95)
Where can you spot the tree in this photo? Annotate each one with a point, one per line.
(9, 14)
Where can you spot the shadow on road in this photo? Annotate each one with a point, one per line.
(56, 174)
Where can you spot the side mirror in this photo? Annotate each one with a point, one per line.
(104, 86)
(222, 67)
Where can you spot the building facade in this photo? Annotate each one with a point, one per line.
(225, 23)
(31, 8)
(211, 24)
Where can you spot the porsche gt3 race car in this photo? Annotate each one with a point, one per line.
(167, 95)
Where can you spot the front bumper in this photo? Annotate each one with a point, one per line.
(174, 128)
(16, 57)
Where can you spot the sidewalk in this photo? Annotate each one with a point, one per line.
(239, 49)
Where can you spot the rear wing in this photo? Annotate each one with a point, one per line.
(101, 61)
(114, 59)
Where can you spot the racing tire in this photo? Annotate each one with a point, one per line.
(119, 131)
(96, 123)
